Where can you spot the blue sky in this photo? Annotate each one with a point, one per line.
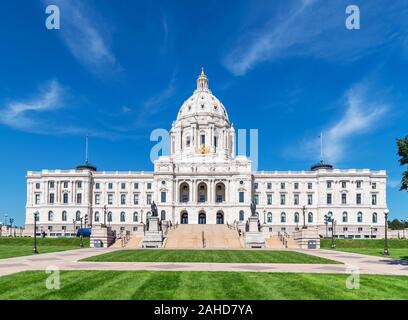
(119, 69)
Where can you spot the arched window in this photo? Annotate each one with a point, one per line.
(269, 217)
(345, 216)
(202, 192)
(97, 217)
(375, 217)
(296, 217)
(148, 214)
(329, 217)
(64, 216)
(184, 192)
(283, 217)
(50, 216)
(360, 217)
(310, 217)
(122, 217)
(241, 215)
(135, 217)
(220, 192)
(109, 216)
(163, 215)
(78, 216)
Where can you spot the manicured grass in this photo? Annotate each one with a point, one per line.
(222, 256)
(398, 248)
(139, 285)
(15, 247)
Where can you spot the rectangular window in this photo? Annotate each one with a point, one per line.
(149, 185)
(110, 198)
(358, 184)
(256, 199)
(65, 184)
(309, 199)
(110, 185)
(255, 185)
(135, 199)
(374, 185)
(163, 196)
(37, 198)
(65, 198)
(136, 185)
(374, 199)
(97, 185)
(283, 185)
(241, 197)
(79, 198)
(358, 198)
(123, 186)
(282, 199)
(97, 198)
(149, 199)
(309, 185)
(269, 185)
(296, 199)
(52, 198)
(269, 199)
(296, 186)
(202, 139)
(37, 186)
(343, 184)
(79, 184)
(343, 198)
(51, 184)
(123, 199)
(329, 184)
(329, 198)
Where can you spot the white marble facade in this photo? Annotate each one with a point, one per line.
(204, 181)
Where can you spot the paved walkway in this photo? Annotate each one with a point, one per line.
(68, 260)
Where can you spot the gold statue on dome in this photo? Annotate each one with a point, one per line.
(202, 149)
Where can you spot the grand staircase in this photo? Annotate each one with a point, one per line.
(281, 241)
(128, 243)
(193, 236)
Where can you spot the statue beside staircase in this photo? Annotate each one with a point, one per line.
(254, 237)
(153, 236)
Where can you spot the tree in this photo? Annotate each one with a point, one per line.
(402, 145)
(395, 225)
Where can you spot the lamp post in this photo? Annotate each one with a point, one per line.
(81, 236)
(386, 252)
(36, 213)
(333, 244)
(326, 222)
(304, 217)
(74, 222)
(104, 214)
(264, 212)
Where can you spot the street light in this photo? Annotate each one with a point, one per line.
(386, 251)
(36, 213)
(81, 235)
(333, 245)
(304, 217)
(326, 223)
(104, 214)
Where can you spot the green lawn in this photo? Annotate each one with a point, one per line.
(139, 285)
(15, 247)
(398, 248)
(223, 256)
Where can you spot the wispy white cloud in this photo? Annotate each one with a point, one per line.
(23, 115)
(85, 37)
(361, 116)
(309, 27)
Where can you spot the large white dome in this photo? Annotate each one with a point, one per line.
(202, 103)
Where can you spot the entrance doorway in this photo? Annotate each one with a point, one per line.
(184, 218)
(220, 218)
(202, 218)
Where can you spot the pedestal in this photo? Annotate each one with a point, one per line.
(102, 236)
(153, 237)
(254, 238)
(307, 238)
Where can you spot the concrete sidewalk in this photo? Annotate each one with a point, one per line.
(69, 260)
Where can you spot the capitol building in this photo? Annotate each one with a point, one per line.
(204, 181)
